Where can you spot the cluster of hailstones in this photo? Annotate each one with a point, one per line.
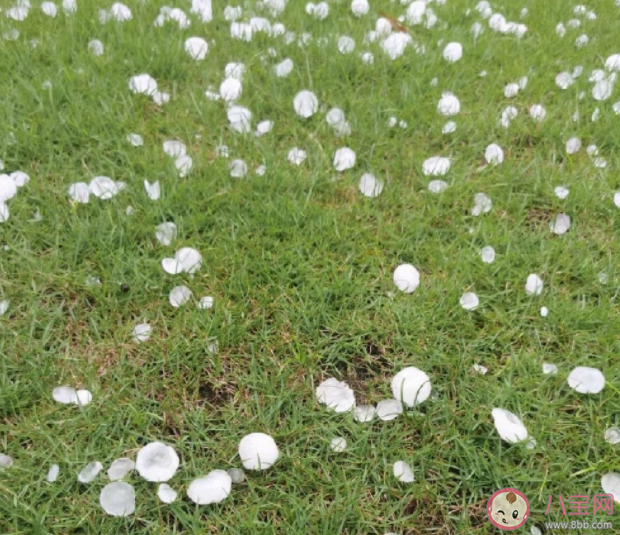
(158, 463)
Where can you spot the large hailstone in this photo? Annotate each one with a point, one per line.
(406, 278)
(196, 47)
(344, 159)
(213, 488)
(448, 104)
(306, 104)
(186, 260)
(337, 395)
(508, 426)
(610, 483)
(370, 186)
(157, 462)
(258, 451)
(118, 499)
(411, 386)
(586, 380)
(533, 285)
(453, 52)
(436, 166)
(403, 472)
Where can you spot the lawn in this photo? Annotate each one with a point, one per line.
(300, 263)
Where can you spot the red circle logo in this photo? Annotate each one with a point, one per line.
(508, 509)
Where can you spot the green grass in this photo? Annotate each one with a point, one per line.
(300, 266)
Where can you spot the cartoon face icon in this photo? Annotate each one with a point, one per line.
(508, 509)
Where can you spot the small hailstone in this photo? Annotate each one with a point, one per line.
(212, 488)
(258, 451)
(118, 499)
(469, 301)
(205, 303)
(143, 84)
(612, 63)
(183, 165)
(337, 395)
(476, 29)
(4, 306)
(448, 105)
(402, 124)
(238, 168)
(284, 68)
(389, 409)
(582, 41)
(544, 312)
(573, 145)
(531, 443)
(561, 192)
(602, 90)
(560, 29)
(453, 52)
(305, 104)
(166, 493)
(49, 8)
(179, 295)
(549, 369)
(213, 348)
(89, 472)
(135, 139)
(338, 444)
(261, 170)
(157, 462)
(564, 80)
(392, 122)
(153, 190)
(230, 89)
(586, 380)
(509, 427)
(69, 6)
(264, 127)
(344, 158)
(360, 7)
(186, 259)
(196, 47)
(406, 278)
(511, 90)
(96, 47)
(165, 233)
(296, 156)
(612, 435)
(436, 166)
(560, 224)
(240, 119)
(603, 278)
(369, 186)
(120, 468)
(494, 154)
(592, 150)
(449, 127)
(141, 332)
(367, 57)
(437, 186)
(52, 474)
(364, 413)
(538, 113)
(5, 460)
(533, 285)
(346, 44)
(482, 204)
(487, 254)
(479, 368)
(236, 475)
(403, 472)
(610, 483)
(411, 386)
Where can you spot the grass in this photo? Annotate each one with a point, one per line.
(300, 265)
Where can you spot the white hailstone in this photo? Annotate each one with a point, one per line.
(212, 488)
(586, 380)
(196, 47)
(4, 306)
(431, 18)
(538, 113)
(49, 8)
(305, 104)
(335, 117)
(533, 285)
(69, 6)
(448, 104)
(437, 186)
(232, 13)
(573, 145)
(143, 84)
(260, 24)
(240, 119)
(165, 233)
(236, 474)
(8, 188)
(393, 121)
(511, 90)
(487, 254)
(141, 332)
(184, 165)
(284, 68)
(174, 148)
(582, 41)
(406, 278)
(89, 472)
(561, 192)
(344, 158)
(479, 368)
(617, 199)
(152, 190)
(482, 204)
(179, 295)
(5, 460)
(205, 303)
(296, 156)
(52, 474)
(238, 168)
(338, 444)
(453, 52)
(616, 108)
(364, 413)
(560, 224)
(449, 127)
(494, 154)
(83, 397)
(610, 484)
(258, 451)
(120, 468)
(241, 31)
(120, 12)
(403, 472)
(104, 187)
(18, 13)
(509, 427)
(592, 150)
(79, 192)
(469, 301)
(186, 260)
(161, 98)
(346, 44)
(436, 166)
(360, 7)
(476, 29)
(549, 369)
(612, 435)
(19, 178)
(597, 75)
(415, 12)
(264, 127)
(603, 278)
(203, 9)
(602, 90)
(118, 499)
(135, 139)
(389, 409)
(612, 63)
(411, 386)
(370, 186)
(260, 170)
(577, 71)
(166, 493)
(337, 395)
(497, 22)
(564, 80)
(65, 395)
(95, 47)
(157, 462)
(523, 82)
(4, 213)
(230, 89)
(394, 44)
(544, 312)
